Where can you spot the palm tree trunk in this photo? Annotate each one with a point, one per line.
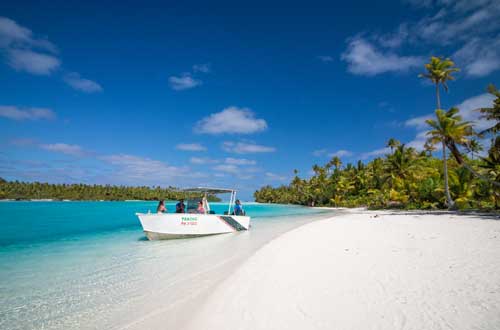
(449, 201)
(458, 157)
(438, 98)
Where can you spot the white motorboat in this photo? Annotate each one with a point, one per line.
(191, 224)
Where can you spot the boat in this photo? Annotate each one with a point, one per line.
(159, 226)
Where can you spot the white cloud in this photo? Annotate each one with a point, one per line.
(11, 32)
(375, 153)
(275, 177)
(16, 113)
(319, 152)
(458, 21)
(228, 161)
(419, 141)
(479, 57)
(32, 62)
(190, 147)
(396, 39)
(418, 122)
(202, 160)
(227, 168)
(363, 58)
(341, 153)
(467, 29)
(67, 149)
(467, 110)
(469, 106)
(24, 51)
(136, 168)
(15, 35)
(204, 68)
(231, 120)
(23, 142)
(109, 169)
(74, 80)
(325, 58)
(246, 148)
(338, 153)
(239, 161)
(243, 173)
(420, 3)
(186, 81)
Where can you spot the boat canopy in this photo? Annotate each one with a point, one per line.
(208, 190)
(213, 191)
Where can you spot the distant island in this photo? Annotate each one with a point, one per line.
(17, 190)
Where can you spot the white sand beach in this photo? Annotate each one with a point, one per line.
(366, 270)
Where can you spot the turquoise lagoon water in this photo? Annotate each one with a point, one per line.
(88, 265)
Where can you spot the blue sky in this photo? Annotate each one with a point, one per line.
(224, 93)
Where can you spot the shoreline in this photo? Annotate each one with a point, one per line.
(367, 269)
(169, 303)
(111, 276)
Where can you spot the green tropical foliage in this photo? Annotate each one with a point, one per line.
(474, 147)
(36, 190)
(448, 129)
(492, 113)
(404, 179)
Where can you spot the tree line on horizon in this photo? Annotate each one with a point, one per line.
(36, 190)
(407, 178)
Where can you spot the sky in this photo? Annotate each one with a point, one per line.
(227, 94)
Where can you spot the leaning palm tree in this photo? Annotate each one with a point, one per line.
(473, 146)
(439, 71)
(393, 143)
(448, 129)
(492, 114)
(461, 133)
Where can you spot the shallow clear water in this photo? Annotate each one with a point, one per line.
(87, 265)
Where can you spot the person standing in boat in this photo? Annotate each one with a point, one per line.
(200, 209)
(238, 208)
(161, 207)
(180, 207)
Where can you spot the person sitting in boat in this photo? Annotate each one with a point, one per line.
(161, 207)
(200, 209)
(238, 208)
(180, 207)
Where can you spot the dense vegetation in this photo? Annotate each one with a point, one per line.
(36, 190)
(407, 178)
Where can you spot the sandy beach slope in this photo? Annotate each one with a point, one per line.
(357, 271)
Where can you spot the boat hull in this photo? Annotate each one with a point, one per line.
(180, 225)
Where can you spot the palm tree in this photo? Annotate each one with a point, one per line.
(393, 143)
(400, 163)
(492, 113)
(448, 128)
(492, 166)
(459, 135)
(429, 148)
(336, 162)
(474, 147)
(439, 71)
